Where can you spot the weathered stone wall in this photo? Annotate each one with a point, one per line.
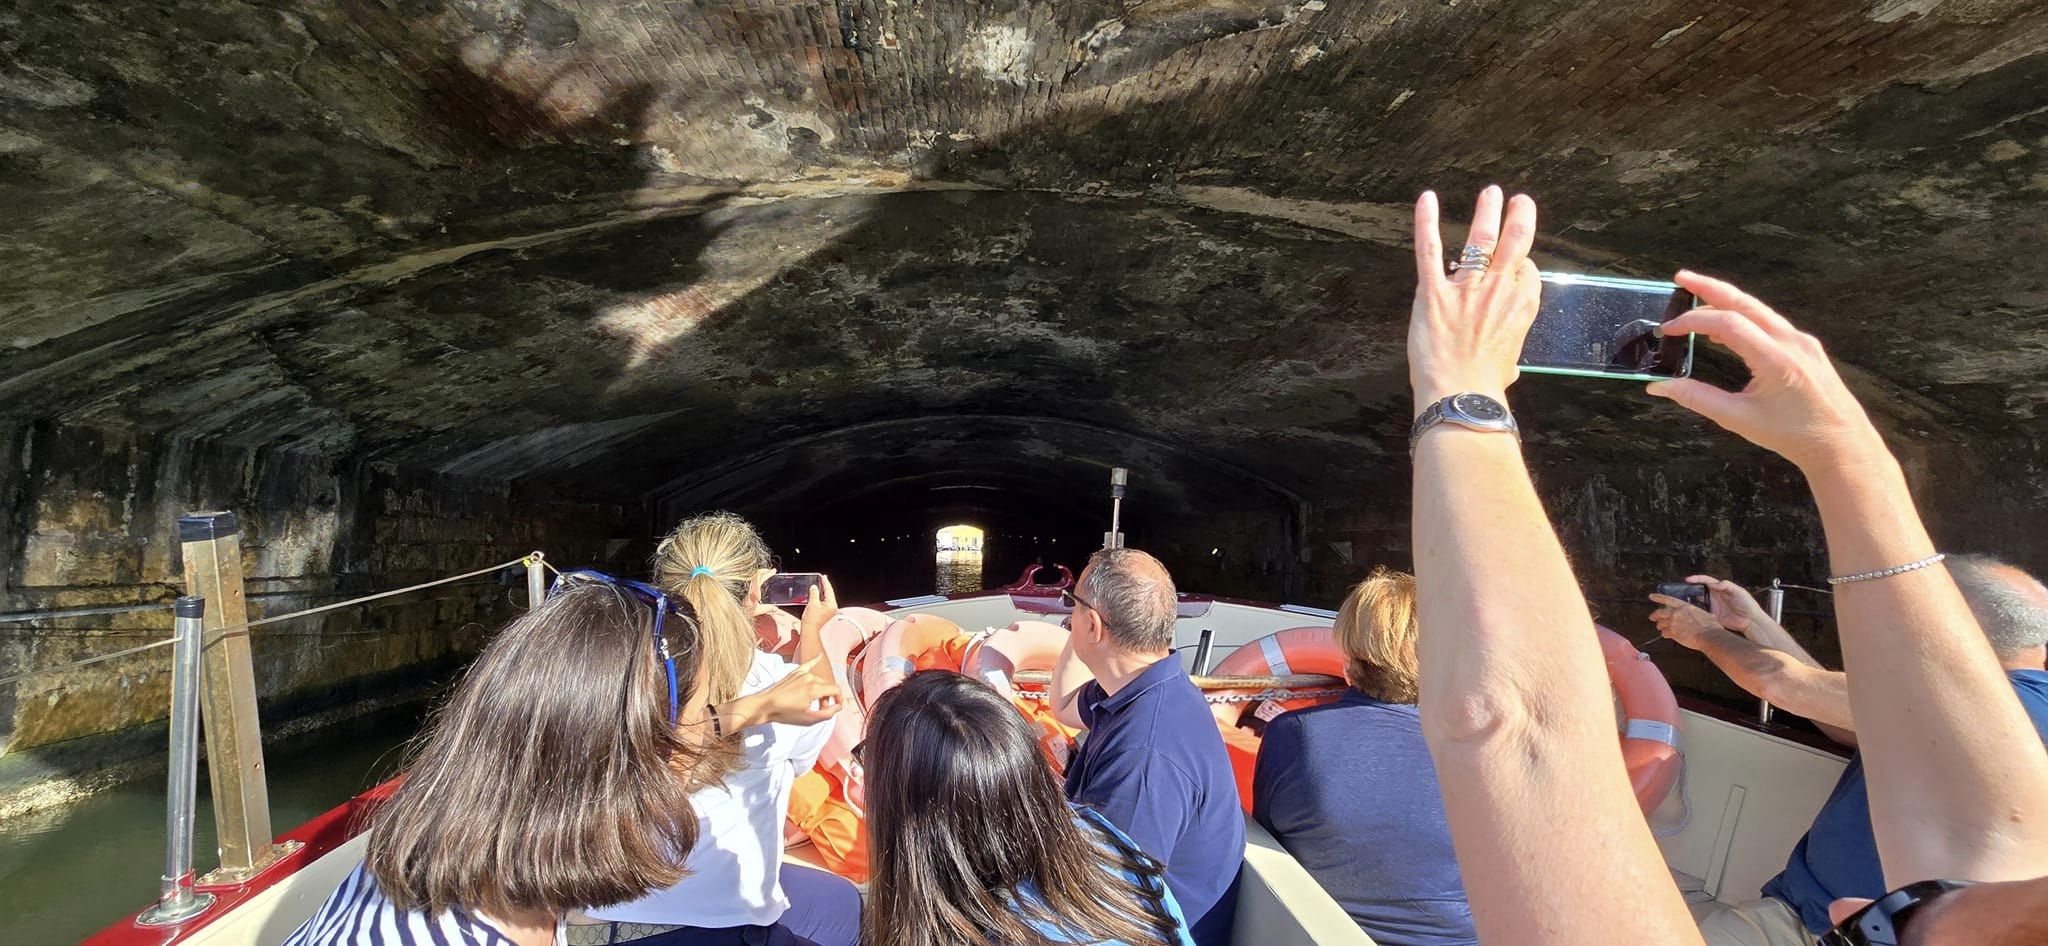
(89, 521)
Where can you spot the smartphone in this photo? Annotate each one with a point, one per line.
(1688, 592)
(790, 587)
(1603, 327)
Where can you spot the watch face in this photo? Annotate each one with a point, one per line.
(1479, 407)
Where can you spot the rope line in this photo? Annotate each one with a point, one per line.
(89, 660)
(220, 632)
(19, 616)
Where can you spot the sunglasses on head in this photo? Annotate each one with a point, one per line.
(646, 594)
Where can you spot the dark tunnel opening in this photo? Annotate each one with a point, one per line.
(863, 504)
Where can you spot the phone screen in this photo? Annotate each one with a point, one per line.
(789, 587)
(1688, 592)
(1605, 327)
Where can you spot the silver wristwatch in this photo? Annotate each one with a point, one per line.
(1476, 411)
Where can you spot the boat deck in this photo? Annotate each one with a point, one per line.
(1746, 796)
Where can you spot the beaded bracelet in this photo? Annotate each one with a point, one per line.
(1934, 559)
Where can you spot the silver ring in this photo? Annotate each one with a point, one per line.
(1472, 257)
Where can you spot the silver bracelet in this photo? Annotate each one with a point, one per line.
(1934, 559)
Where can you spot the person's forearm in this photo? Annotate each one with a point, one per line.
(743, 712)
(810, 645)
(1771, 634)
(1516, 712)
(1819, 695)
(1957, 772)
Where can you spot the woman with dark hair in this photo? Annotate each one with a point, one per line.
(555, 777)
(972, 841)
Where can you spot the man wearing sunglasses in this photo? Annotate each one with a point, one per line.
(1152, 760)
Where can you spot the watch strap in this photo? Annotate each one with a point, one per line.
(1446, 410)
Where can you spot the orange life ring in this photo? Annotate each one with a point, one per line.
(1649, 729)
(995, 659)
(893, 654)
(842, 637)
(1292, 651)
(1242, 716)
(868, 653)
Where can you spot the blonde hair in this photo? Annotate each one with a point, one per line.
(710, 562)
(1376, 630)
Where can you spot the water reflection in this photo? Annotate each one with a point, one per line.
(67, 872)
(959, 572)
(959, 551)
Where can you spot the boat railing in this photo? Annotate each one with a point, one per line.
(213, 693)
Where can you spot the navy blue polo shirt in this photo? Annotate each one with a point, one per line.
(1838, 856)
(1349, 789)
(1154, 764)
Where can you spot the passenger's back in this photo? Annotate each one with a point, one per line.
(1349, 789)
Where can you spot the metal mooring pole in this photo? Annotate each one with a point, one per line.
(536, 581)
(1774, 599)
(176, 902)
(212, 548)
(1114, 538)
(1203, 648)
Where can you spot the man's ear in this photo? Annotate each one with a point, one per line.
(1844, 908)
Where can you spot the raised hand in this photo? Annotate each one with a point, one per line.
(1466, 330)
(1681, 622)
(819, 607)
(803, 697)
(1795, 404)
(1734, 606)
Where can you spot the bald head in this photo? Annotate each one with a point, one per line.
(1135, 597)
(2011, 605)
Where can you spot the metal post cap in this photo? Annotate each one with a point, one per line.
(203, 526)
(190, 606)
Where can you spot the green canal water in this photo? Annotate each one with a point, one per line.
(68, 872)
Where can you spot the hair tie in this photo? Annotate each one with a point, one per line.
(699, 570)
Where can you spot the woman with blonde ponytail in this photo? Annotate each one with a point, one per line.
(738, 890)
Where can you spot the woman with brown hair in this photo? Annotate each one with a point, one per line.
(1348, 788)
(555, 777)
(972, 841)
(739, 890)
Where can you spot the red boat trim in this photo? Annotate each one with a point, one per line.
(322, 834)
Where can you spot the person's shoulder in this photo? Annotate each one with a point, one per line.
(766, 670)
(2032, 687)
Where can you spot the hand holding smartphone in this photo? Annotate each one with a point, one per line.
(790, 587)
(1603, 327)
(1688, 592)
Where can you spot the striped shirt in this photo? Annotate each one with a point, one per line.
(357, 914)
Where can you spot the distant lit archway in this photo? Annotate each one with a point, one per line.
(959, 552)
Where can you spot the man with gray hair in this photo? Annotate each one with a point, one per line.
(1838, 856)
(1152, 761)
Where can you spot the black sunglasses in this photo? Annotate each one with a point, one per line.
(649, 595)
(1070, 599)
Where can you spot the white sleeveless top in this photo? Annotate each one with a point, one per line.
(735, 870)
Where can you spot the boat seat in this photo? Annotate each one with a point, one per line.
(1280, 904)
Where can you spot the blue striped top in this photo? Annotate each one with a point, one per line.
(358, 914)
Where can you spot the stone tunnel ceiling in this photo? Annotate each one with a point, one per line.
(645, 250)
